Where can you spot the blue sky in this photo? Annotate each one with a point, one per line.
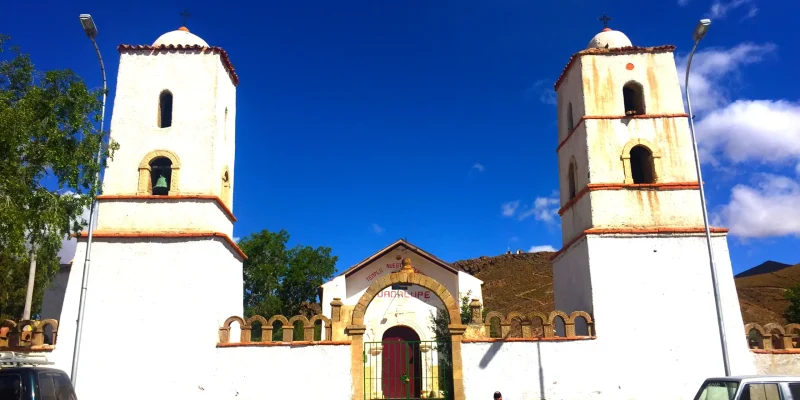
(360, 122)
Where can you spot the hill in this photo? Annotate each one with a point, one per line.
(513, 282)
(524, 282)
(761, 296)
(763, 268)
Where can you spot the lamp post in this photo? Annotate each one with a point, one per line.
(699, 33)
(90, 29)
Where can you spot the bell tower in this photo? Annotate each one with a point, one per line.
(164, 269)
(634, 249)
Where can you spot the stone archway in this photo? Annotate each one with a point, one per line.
(357, 327)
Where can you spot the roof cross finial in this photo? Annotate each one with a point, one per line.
(605, 18)
(185, 14)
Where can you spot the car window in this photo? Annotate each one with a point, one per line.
(761, 391)
(718, 390)
(54, 385)
(10, 387)
(794, 389)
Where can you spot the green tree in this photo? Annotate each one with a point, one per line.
(278, 280)
(792, 313)
(48, 147)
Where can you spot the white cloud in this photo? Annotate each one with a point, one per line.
(547, 247)
(236, 239)
(765, 131)
(720, 9)
(510, 208)
(714, 69)
(543, 91)
(479, 167)
(768, 209)
(544, 209)
(377, 229)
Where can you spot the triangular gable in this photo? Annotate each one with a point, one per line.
(399, 243)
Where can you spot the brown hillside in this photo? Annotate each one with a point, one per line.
(524, 282)
(513, 282)
(761, 296)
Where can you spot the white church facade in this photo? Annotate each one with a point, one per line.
(635, 316)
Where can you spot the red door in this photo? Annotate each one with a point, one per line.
(401, 369)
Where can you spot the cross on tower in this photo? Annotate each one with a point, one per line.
(185, 14)
(605, 18)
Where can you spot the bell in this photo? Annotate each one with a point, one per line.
(161, 185)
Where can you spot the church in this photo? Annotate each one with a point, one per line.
(164, 313)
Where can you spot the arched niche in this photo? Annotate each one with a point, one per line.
(655, 159)
(145, 180)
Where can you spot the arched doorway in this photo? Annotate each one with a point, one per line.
(401, 372)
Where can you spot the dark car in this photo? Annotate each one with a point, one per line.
(23, 377)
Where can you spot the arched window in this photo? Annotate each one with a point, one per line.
(570, 121)
(165, 109)
(633, 96)
(571, 179)
(160, 176)
(642, 166)
(225, 193)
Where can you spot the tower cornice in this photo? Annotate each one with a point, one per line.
(593, 187)
(611, 52)
(226, 62)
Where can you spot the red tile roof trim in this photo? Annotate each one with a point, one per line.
(300, 343)
(644, 116)
(633, 231)
(630, 186)
(165, 234)
(611, 52)
(179, 197)
(535, 339)
(226, 62)
(775, 351)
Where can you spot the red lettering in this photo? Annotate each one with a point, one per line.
(428, 295)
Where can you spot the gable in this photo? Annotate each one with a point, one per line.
(400, 250)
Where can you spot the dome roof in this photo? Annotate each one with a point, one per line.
(181, 36)
(608, 39)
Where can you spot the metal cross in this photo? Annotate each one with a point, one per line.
(185, 14)
(605, 18)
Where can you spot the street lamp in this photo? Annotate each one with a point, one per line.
(699, 33)
(90, 29)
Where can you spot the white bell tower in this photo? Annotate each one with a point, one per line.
(634, 249)
(165, 273)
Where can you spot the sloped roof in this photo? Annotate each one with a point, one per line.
(398, 244)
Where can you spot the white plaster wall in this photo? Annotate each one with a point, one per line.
(570, 91)
(572, 281)
(330, 290)
(283, 372)
(198, 94)
(224, 146)
(777, 364)
(469, 284)
(655, 293)
(608, 137)
(645, 208)
(604, 77)
(161, 215)
(153, 310)
(574, 220)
